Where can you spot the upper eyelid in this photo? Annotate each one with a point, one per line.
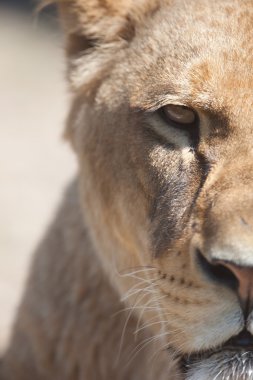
(152, 105)
(162, 112)
(159, 106)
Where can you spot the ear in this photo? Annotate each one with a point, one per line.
(90, 23)
(96, 30)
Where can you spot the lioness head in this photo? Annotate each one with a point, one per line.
(161, 123)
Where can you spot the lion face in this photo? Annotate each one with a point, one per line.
(162, 126)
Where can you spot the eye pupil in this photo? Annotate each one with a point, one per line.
(179, 114)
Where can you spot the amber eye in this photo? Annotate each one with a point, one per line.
(179, 116)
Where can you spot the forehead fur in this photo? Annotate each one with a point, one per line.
(185, 45)
(199, 50)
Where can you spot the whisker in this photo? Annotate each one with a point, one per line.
(133, 291)
(144, 344)
(133, 270)
(138, 300)
(141, 314)
(148, 325)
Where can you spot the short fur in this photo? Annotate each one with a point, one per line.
(116, 290)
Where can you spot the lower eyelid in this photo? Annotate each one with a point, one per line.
(169, 133)
(172, 133)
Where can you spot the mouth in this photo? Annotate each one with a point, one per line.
(233, 360)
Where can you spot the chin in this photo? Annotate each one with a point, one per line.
(222, 365)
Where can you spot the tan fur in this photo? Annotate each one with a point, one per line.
(115, 281)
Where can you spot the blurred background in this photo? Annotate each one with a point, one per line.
(35, 162)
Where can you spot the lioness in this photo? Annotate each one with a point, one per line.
(147, 270)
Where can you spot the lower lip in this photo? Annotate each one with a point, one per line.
(224, 351)
(228, 363)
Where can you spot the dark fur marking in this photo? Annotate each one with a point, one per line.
(128, 31)
(77, 45)
(170, 211)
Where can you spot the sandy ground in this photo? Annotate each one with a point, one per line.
(35, 164)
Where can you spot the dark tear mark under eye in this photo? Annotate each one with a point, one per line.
(205, 167)
(169, 221)
(168, 212)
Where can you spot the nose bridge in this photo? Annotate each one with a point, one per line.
(236, 169)
(225, 250)
(231, 164)
(228, 222)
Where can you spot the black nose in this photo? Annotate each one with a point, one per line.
(244, 339)
(237, 278)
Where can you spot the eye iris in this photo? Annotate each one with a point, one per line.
(179, 114)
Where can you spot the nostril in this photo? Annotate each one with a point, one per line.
(217, 272)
